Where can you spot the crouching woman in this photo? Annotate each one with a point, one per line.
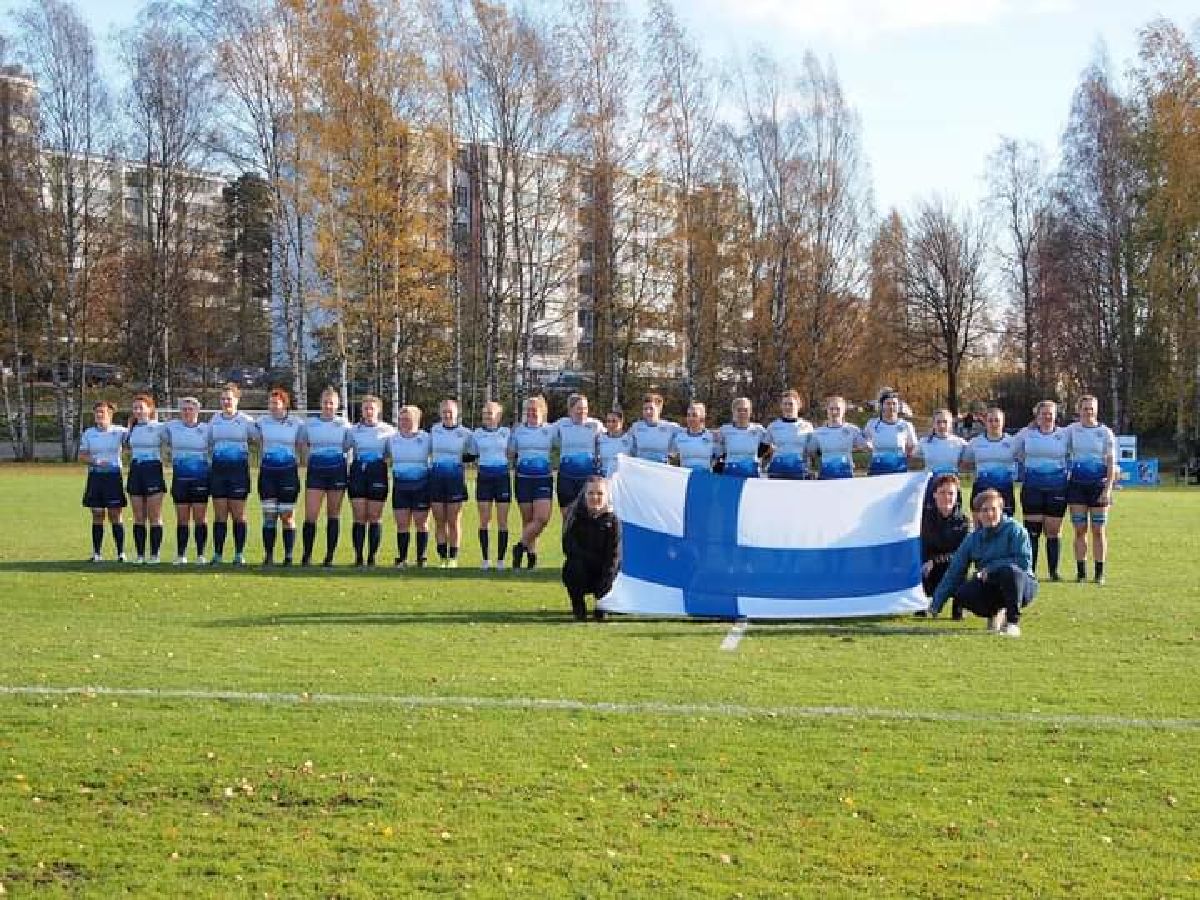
(591, 543)
(1003, 583)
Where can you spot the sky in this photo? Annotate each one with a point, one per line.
(936, 83)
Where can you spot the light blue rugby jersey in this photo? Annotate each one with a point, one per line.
(610, 447)
(836, 448)
(532, 448)
(789, 441)
(1044, 457)
(189, 448)
(103, 447)
(890, 443)
(740, 446)
(410, 456)
(328, 440)
(1089, 450)
(577, 446)
(695, 451)
(146, 440)
(229, 438)
(995, 461)
(491, 446)
(652, 442)
(942, 455)
(448, 446)
(370, 442)
(280, 438)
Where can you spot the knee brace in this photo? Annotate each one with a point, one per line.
(1034, 529)
(284, 509)
(270, 508)
(1099, 517)
(1079, 519)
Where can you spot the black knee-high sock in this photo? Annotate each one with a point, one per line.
(501, 543)
(1099, 568)
(530, 558)
(374, 538)
(1081, 569)
(268, 538)
(483, 543)
(358, 536)
(239, 537)
(156, 536)
(97, 536)
(201, 537)
(518, 554)
(118, 531)
(289, 542)
(308, 537)
(181, 539)
(220, 530)
(422, 545)
(333, 530)
(1034, 529)
(441, 551)
(452, 551)
(139, 538)
(1053, 548)
(402, 546)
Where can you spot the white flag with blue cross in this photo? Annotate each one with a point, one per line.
(698, 544)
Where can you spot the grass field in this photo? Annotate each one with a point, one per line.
(193, 732)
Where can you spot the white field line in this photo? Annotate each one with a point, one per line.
(632, 708)
(736, 633)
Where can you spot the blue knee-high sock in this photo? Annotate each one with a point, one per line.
(289, 542)
(156, 536)
(239, 537)
(139, 538)
(220, 531)
(333, 530)
(181, 539)
(97, 536)
(268, 538)
(118, 531)
(483, 543)
(422, 545)
(201, 537)
(358, 536)
(308, 537)
(1053, 548)
(374, 538)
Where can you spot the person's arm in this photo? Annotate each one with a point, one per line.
(954, 575)
(612, 554)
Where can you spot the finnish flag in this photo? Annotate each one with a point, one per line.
(698, 544)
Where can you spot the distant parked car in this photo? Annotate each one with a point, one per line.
(568, 382)
(247, 376)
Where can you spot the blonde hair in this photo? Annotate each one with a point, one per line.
(538, 402)
(413, 411)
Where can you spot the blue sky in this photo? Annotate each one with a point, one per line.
(936, 82)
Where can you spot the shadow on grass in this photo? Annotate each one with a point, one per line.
(416, 617)
(254, 570)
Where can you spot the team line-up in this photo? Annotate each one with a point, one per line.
(1059, 467)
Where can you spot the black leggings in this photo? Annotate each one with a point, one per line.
(1006, 588)
(580, 580)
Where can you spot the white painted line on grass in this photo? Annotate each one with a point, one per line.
(635, 708)
(736, 633)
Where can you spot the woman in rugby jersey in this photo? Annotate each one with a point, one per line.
(991, 455)
(282, 436)
(892, 439)
(493, 482)
(613, 442)
(327, 437)
(576, 435)
(1092, 449)
(651, 434)
(741, 441)
(694, 445)
(368, 482)
(188, 439)
(942, 451)
(788, 438)
(834, 443)
(530, 446)
(100, 447)
(230, 433)
(408, 449)
(145, 484)
(449, 442)
(1041, 449)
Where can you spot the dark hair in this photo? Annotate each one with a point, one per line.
(579, 504)
(947, 478)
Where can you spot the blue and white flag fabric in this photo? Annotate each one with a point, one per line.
(698, 544)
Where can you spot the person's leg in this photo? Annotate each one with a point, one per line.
(421, 522)
(97, 532)
(1053, 526)
(440, 527)
(154, 505)
(237, 510)
(403, 517)
(374, 529)
(220, 529)
(1079, 523)
(137, 505)
(537, 524)
(117, 524)
(484, 509)
(308, 534)
(975, 597)
(183, 516)
(574, 579)
(453, 531)
(1099, 522)
(526, 508)
(501, 533)
(333, 523)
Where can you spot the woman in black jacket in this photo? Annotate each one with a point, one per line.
(943, 528)
(591, 542)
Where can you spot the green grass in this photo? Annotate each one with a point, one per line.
(1062, 763)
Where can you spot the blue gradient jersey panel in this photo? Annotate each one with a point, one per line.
(146, 440)
(370, 442)
(410, 456)
(835, 445)
(578, 455)
(1043, 456)
(491, 446)
(609, 447)
(189, 448)
(891, 444)
(652, 442)
(328, 440)
(994, 460)
(741, 446)
(103, 447)
(230, 438)
(789, 445)
(447, 446)
(941, 455)
(532, 446)
(1091, 451)
(280, 441)
(695, 451)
